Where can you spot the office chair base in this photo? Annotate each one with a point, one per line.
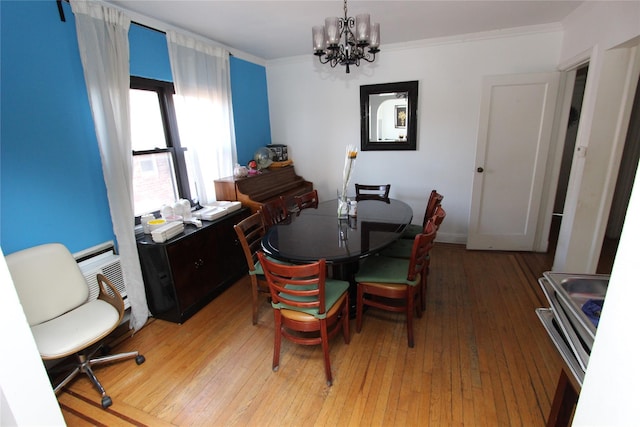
(85, 362)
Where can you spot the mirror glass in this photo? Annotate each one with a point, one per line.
(388, 116)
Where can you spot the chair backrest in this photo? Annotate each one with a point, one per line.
(438, 216)
(435, 199)
(372, 192)
(250, 232)
(307, 200)
(422, 244)
(48, 281)
(299, 286)
(274, 211)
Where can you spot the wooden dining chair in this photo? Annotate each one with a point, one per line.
(307, 200)
(394, 284)
(373, 192)
(250, 232)
(434, 200)
(308, 308)
(274, 212)
(401, 248)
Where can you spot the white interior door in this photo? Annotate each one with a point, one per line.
(514, 135)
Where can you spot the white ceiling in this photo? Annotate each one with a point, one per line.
(279, 29)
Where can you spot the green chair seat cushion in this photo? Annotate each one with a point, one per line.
(332, 292)
(260, 272)
(401, 248)
(382, 269)
(411, 231)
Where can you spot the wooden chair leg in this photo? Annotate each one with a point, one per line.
(423, 289)
(325, 350)
(359, 303)
(564, 403)
(345, 321)
(417, 295)
(254, 299)
(410, 308)
(277, 339)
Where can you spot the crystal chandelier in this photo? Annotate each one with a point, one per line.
(329, 50)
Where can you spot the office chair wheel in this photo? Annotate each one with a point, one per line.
(106, 402)
(140, 359)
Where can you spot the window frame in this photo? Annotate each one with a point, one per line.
(165, 92)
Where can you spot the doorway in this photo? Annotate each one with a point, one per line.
(567, 155)
(624, 183)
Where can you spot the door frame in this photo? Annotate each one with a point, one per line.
(585, 216)
(554, 161)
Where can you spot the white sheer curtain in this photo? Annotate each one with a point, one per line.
(203, 106)
(104, 50)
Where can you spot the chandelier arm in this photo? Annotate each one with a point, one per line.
(332, 61)
(369, 58)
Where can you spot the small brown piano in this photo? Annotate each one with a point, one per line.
(255, 190)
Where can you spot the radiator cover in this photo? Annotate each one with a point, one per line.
(104, 261)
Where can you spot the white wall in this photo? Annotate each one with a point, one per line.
(315, 111)
(599, 23)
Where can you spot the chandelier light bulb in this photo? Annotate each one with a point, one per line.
(318, 38)
(374, 41)
(332, 30)
(362, 27)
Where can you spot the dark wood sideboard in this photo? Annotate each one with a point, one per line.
(253, 191)
(185, 273)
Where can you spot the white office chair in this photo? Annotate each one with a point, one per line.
(53, 294)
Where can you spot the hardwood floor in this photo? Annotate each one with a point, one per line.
(481, 358)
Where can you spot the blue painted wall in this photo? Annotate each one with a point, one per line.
(148, 54)
(250, 108)
(51, 183)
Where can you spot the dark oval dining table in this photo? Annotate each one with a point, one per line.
(313, 234)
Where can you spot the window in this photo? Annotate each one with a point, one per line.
(159, 167)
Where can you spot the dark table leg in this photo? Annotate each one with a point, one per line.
(564, 403)
(346, 271)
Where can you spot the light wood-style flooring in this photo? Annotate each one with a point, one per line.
(482, 358)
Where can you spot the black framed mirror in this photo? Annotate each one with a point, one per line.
(388, 119)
